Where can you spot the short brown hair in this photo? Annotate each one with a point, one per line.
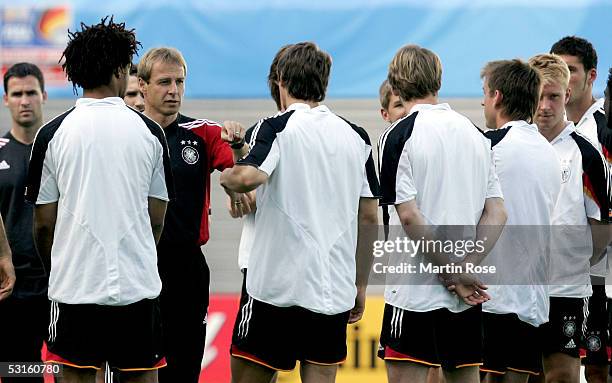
(384, 94)
(304, 71)
(415, 73)
(273, 75)
(163, 54)
(519, 84)
(552, 68)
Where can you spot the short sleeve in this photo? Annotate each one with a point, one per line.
(405, 189)
(219, 151)
(41, 183)
(265, 151)
(493, 185)
(157, 187)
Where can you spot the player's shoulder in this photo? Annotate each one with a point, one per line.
(398, 133)
(204, 128)
(4, 141)
(149, 122)
(360, 131)
(588, 150)
(191, 123)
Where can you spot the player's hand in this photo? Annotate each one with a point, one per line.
(7, 277)
(232, 132)
(470, 294)
(357, 311)
(463, 278)
(467, 287)
(240, 205)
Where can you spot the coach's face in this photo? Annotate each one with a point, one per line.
(164, 91)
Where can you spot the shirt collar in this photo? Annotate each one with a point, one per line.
(597, 105)
(569, 129)
(418, 107)
(302, 106)
(100, 101)
(519, 124)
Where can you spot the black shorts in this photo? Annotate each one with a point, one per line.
(564, 329)
(432, 338)
(87, 335)
(277, 337)
(184, 303)
(510, 345)
(24, 323)
(595, 347)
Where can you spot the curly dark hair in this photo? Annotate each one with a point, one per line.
(97, 52)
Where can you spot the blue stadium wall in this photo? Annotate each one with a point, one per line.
(228, 45)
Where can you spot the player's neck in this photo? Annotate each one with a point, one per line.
(290, 101)
(24, 135)
(501, 120)
(576, 110)
(162, 119)
(103, 91)
(552, 133)
(431, 99)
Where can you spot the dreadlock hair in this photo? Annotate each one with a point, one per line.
(97, 52)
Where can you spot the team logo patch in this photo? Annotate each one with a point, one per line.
(569, 328)
(566, 172)
(190, 155)
(593, 343)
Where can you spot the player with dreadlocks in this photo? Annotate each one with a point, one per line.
(100, 178)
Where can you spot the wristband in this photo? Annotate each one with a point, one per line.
(238, 145)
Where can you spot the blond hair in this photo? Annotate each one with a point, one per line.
(384, 93)
(163, 54)
(552, 68)
(415, 73)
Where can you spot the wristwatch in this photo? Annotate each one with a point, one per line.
(238, 145)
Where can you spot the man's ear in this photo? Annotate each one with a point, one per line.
(384, 114)
(591, 76)
(142, 85)
(122, 72)
(498, 97)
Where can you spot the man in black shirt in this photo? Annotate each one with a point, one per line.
(24, 315)
(196, 150)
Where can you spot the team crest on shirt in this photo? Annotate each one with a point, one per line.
(593, 343)
(569, 327)
(566, 171)
(190, 155)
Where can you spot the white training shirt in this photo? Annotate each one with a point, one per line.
(100, 161)
(530, 196)
(584, 194)
(319, 166)
(438, 157)
(248, 221)
(593, 126)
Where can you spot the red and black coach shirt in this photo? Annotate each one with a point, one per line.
(196, 150)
